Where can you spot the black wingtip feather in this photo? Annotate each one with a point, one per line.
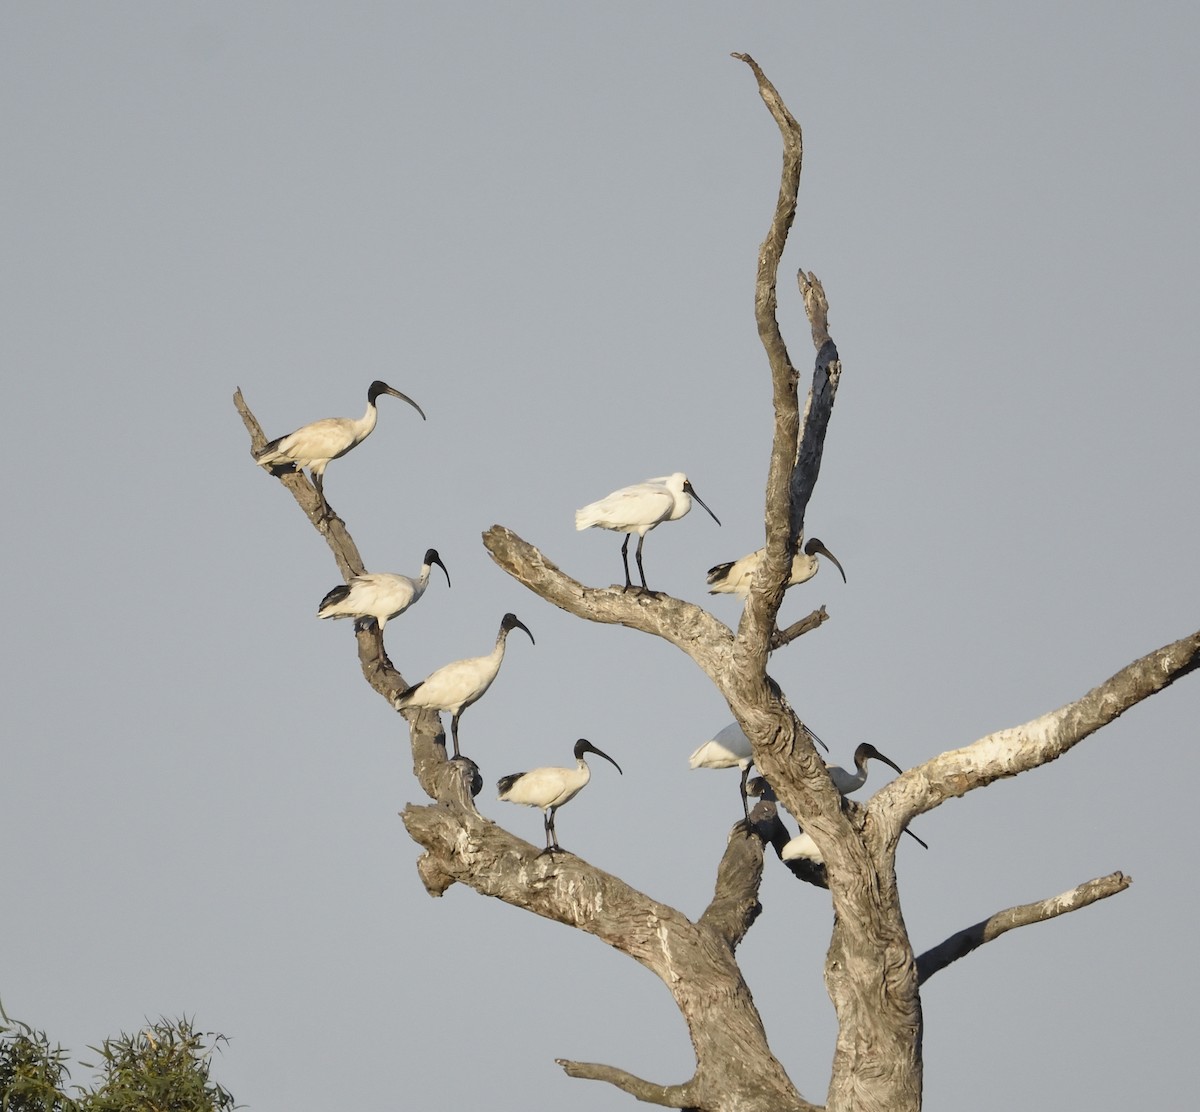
(505, 783)
(333, 598)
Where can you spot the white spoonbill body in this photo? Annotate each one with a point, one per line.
(379, 595)
(550, 788)
(455, 686)
(730, 748)
(313, 446)
(638, 509)
(734, 578)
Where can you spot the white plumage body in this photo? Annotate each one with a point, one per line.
(455, 686)
(550, 788)
(802, 847)
(734, 578)
(379, 595)
(547, 787)
(730, 748)
(638, 509)
(313, 446)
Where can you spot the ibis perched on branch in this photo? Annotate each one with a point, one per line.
(455, 686)
(734, 578)
(802, 847)
(847, 782)
(730, 748)
(638, 509)
(313, 446)
(550, 788)
(379, 595)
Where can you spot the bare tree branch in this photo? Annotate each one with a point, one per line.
(970, 939)
(439, 778)
(669, 1096)
(782, 637)
(1020, 748)
(734, 906)
(690, 628)
(324, 520)
(758, 615)
(694, 962)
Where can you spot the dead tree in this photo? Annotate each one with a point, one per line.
(872, 975)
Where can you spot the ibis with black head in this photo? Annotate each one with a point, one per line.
(314, 446)
(734, 578)
(380, 595)
(455, 686)
(550, 788)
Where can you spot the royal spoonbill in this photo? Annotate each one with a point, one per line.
(455, 686)
(730, 748)
(313, 446)
(638, 509)
(379, 595)
(734, 578)
(550, 788)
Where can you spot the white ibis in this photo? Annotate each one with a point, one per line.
(379, 595)
(455, 686)
(313, 446)
(550, 788)
(847, 782)
(638, 509)
(803, 847)
(734, 578)
(730, 748)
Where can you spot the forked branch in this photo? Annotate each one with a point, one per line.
(687, 626)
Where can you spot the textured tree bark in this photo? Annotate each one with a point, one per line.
(871, 974)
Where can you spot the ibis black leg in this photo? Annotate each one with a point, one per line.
(625, 560)
(641, 572)
(454, 733)
(745, 801)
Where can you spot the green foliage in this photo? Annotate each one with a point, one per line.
(31, 1073)
(162, 1068)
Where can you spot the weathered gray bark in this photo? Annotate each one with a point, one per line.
(871, 973)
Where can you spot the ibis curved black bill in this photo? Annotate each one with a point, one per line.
(689, 489)
(379, 387)
(584, 746)
(432, 557)
(511, 622)
(815, 547)
(868, 750)
(812, 734)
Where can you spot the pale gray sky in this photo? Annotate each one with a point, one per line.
(540, 220)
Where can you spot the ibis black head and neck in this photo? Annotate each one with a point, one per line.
(815, 547)
(866, 751)
(584, 746)
(431, 558)
(510, 622)
(380, 387)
